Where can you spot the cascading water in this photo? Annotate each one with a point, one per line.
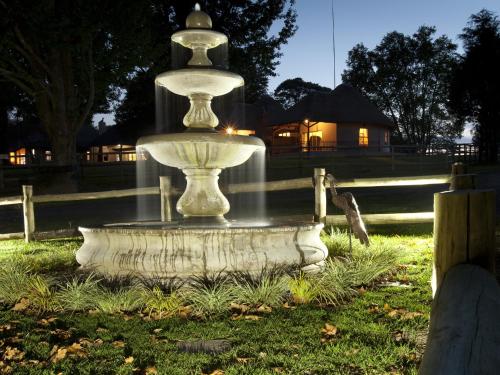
(203, 240)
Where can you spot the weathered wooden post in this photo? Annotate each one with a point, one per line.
(28, 213)
(319, 195)
(165, 188)
(464, 226)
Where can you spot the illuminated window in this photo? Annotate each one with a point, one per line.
(48, 155)
(18, 157)
(363, 137)
(386, 137)
(312, 136)
(284, 134)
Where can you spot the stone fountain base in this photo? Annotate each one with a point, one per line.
(166, 250)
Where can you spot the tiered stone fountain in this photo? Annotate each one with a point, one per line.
(204, 241)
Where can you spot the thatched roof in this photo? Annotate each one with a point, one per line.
(345, 104)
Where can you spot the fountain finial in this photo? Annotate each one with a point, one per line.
(198, 19)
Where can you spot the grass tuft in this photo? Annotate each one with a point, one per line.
(14, 281)
(123, 299)
(161, 304)
(79, 294)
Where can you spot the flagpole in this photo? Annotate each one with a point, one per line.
(333, 45)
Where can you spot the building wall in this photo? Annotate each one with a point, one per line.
(332, 134)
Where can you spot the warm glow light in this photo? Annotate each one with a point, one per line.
(306, 121)
(363, 137)
(229, 130)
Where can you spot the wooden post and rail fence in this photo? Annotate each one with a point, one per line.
(167, 192)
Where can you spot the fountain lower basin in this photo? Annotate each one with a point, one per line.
(163, 250)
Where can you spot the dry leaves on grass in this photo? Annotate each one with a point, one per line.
(328, 332)
(47, 322)
(22, 305)
(243, 360)
(59, 353)
(129, 360)
(150, 370)
(246, 317)
(118, 344)
(394, 312)
(13, 354)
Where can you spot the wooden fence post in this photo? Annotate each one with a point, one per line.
(165, 188)
(319, 195)
(28, 213)
(464, 226)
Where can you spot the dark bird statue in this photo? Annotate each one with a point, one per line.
(347, 203)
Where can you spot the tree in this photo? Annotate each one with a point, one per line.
(253, 50)
(474, 94)
(408, 78)
(290, 91)
(68, 56)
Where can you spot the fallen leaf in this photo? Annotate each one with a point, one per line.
(151, 370)
(265, 309)
(13, 354)
(411, 315)
(387, 307)
(101, 330)
(217, 372)
(59, 355)
(329, 330)
(239, 307)
(279, 370)
(61, 333)
(243, 360)
(262, 355)
(129, 359)
(118, 344)
(361, 291)
(46, 322)
(5, 327)
(22, 305)
(157, 330)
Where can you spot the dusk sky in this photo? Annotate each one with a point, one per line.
(309, 52)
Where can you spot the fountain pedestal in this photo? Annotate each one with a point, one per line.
(202, 196)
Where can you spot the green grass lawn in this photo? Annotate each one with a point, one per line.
(379, 330)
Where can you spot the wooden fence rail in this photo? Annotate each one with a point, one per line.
(166, 191)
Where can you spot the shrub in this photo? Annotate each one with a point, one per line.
(155, 301)
(79, 294)
(303, 289)
(122, 299)
(14, 281)
(267, 291)
(335, 283)
(41, 294)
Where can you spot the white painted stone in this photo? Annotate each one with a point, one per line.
(160, 251)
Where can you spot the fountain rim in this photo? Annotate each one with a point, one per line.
(200, 137)
(210, 72)
(164, 227)
(219, 38)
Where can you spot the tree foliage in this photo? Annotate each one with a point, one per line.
(475, 94)
(290, 91)
(408, 78)
(253, 50)
(67, 56)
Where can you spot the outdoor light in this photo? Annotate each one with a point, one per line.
(229, 130)
(306, 121)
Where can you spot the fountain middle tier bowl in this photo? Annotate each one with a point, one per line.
(201, 150)
(199, 81)
(162, 250)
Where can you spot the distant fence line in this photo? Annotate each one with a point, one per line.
(166, 192)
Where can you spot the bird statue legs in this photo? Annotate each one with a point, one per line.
(347, 203)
